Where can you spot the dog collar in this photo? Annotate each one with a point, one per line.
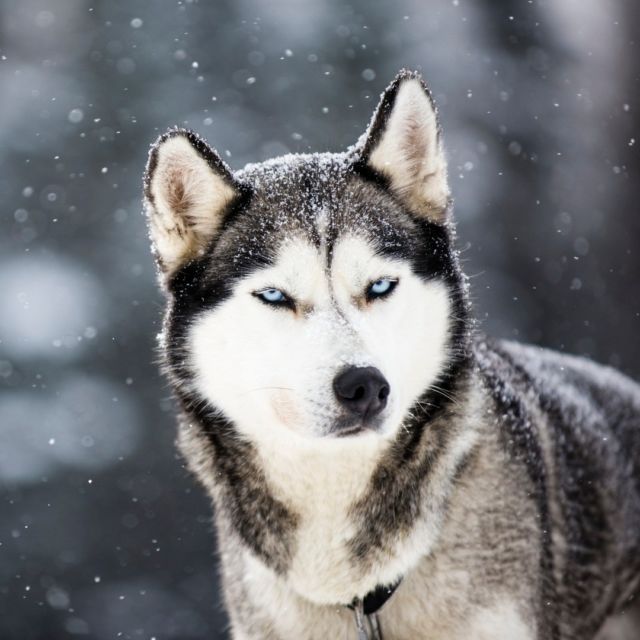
(365, 611)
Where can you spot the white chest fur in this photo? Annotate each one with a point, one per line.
(321, 484)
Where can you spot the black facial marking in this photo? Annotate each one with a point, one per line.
(262, 521)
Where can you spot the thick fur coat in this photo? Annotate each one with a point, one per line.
(499, 483)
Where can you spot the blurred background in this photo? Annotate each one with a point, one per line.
(102, 532)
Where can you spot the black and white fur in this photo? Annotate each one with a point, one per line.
(500, 482)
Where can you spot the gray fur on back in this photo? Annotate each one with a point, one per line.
(587, 471)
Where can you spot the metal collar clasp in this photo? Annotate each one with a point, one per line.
(368, 626)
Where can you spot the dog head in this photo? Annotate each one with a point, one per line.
(316, 295)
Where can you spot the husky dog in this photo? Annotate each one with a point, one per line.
(379, 468)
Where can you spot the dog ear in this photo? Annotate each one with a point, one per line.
(188, 190)
(403, 145)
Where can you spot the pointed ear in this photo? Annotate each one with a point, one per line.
(403, 144)
(188, 190)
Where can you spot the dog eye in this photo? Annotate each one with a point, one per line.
(381, 288)
(274, 297)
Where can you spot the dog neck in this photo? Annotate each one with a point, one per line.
(337, 520)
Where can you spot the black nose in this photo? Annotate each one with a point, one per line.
(362, 390)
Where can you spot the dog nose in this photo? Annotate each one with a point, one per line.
(362, 390)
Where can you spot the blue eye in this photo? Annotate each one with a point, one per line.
(380, 288)
(274, 297)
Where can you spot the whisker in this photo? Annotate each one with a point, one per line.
(267, 389)
(444, 394)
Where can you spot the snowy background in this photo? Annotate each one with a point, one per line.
(102, 533)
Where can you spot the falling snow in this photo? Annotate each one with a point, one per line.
(104, 534)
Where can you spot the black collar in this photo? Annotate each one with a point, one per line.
(375, 599)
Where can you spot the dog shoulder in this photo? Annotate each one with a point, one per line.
(573, 424)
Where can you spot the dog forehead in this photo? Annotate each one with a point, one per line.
(302, 172)
(322, 197)
(295, 191)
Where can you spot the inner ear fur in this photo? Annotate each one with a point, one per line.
(188, 190)
(403, 145)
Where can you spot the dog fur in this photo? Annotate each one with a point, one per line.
(500, 483)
